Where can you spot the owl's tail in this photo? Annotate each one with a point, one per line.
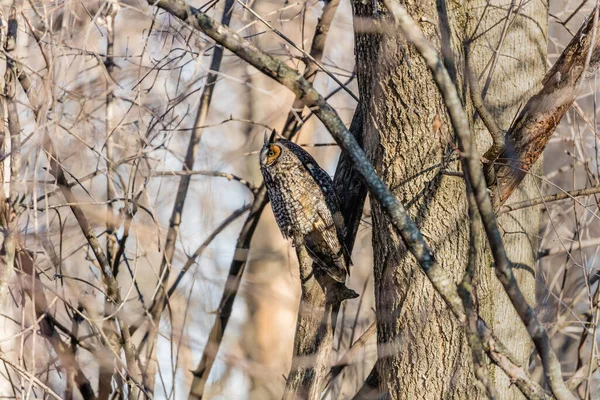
(343, 292)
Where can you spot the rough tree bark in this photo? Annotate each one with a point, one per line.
(422, 349)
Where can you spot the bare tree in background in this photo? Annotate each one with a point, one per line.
(139, 255)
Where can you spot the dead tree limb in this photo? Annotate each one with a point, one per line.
(529, 134)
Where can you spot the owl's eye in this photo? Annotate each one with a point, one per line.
(273, 154)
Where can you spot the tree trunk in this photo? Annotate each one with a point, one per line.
(422, 349)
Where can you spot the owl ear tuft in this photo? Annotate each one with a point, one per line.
(271, 138)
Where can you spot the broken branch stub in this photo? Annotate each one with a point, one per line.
(531, 131)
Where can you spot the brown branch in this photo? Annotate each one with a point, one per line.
(475, 178)
(529, 134)
(518, 375)
(107, 370)
(548, 199)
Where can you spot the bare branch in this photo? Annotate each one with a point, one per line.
(548, 199)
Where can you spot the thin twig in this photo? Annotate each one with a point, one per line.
(548, 199)
(226, 175)
(30, 376)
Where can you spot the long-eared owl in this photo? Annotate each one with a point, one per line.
(305, 204)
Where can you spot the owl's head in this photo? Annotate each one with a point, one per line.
(276, 152)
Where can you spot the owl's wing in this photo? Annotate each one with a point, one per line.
(335, 218)
(340, 227)
(325, 248)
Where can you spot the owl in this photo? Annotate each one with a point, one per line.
(305, 205)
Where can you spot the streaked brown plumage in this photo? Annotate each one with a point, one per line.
(305, 204)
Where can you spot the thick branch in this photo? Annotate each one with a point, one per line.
(314, 334)
(518, 375)
(531, 131)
